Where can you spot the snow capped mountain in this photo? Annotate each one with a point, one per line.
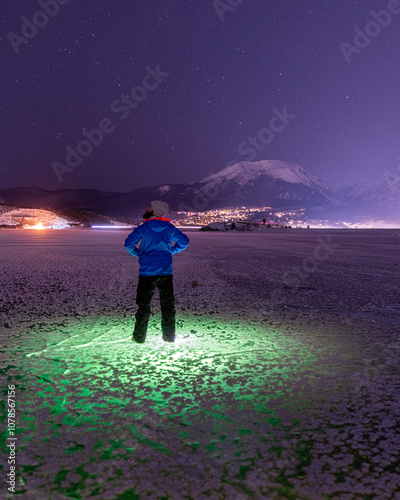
(269, 183)
(164, 189)
(246, 171)
(384, 192)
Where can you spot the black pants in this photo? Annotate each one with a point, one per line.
(145, 292)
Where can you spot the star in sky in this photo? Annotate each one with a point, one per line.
(225, 78)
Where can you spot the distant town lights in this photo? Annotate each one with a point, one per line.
(111, 227)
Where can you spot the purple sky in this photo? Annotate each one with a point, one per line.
(215, 81)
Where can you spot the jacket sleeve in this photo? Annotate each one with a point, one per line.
(132, 240)
(181, 241)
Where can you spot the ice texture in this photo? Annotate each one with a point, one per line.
(283, 382)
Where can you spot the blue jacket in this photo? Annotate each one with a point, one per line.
(155, 252)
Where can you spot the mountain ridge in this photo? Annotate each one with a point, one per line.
(280, 185)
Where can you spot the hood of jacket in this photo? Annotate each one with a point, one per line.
(157, 224)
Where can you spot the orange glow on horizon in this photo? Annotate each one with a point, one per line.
(39, 225)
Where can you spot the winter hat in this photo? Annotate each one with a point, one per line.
(159, 208)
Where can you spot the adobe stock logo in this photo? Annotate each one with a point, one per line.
(372, 29)
(295, 276)
(266, 135)
(122, 107)
(40, 19)
(222, 7)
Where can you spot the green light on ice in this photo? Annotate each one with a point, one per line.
(93, 393)
(211, 358)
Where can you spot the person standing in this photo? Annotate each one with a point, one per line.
(155, 238)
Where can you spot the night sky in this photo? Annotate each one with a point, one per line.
(199, 78)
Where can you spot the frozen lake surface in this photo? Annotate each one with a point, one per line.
(284, 381)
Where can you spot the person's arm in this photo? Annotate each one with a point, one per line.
(181, 241)
(132, 240)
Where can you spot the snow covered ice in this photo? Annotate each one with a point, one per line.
(283, 383)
